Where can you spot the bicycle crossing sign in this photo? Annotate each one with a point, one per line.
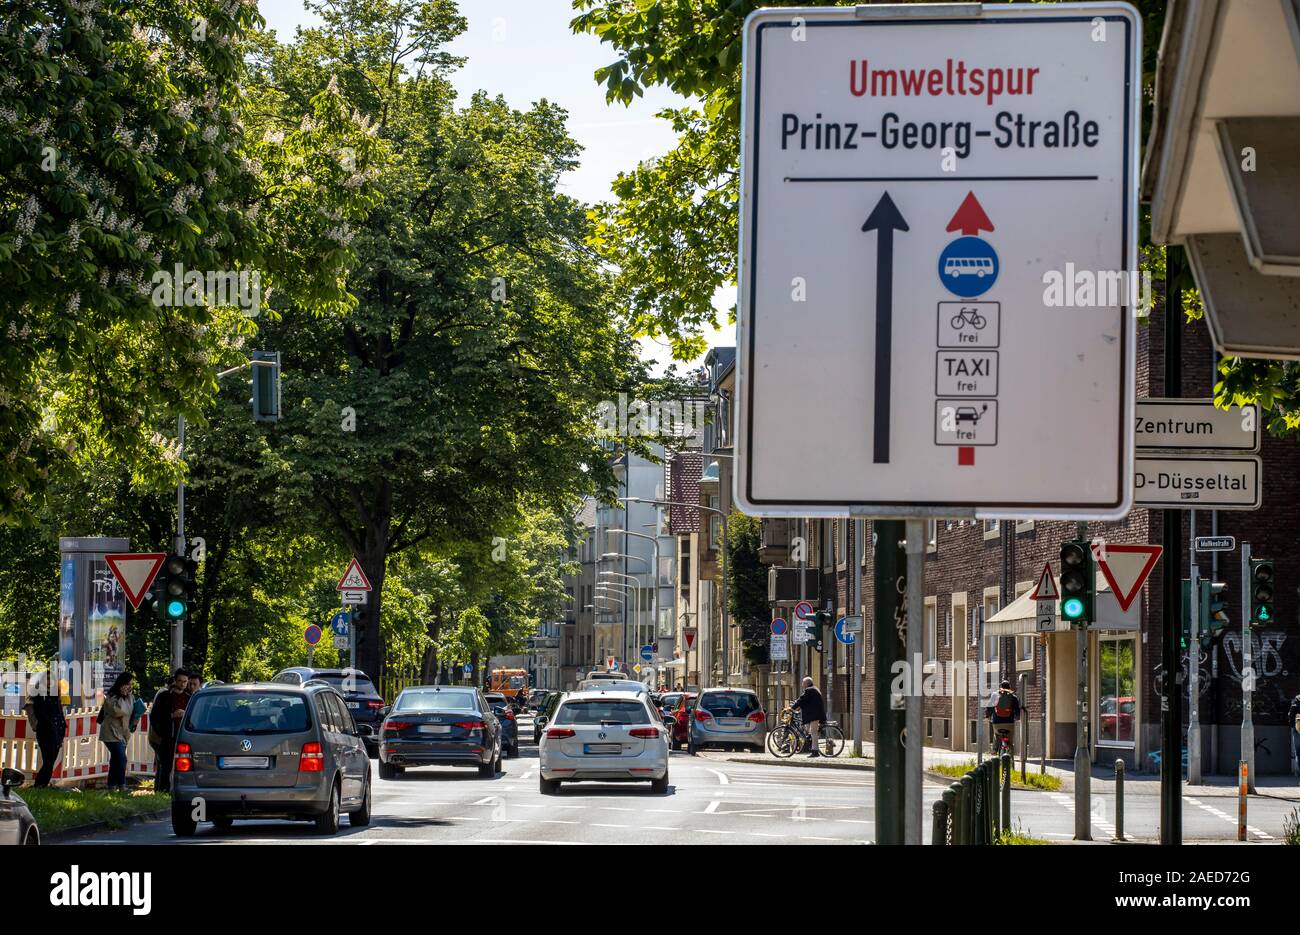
(940, 198)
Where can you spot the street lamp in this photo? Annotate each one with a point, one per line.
(636, 605)
(654, 608)
(654, 597)
(725, 587)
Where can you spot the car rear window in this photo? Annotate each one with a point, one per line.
(602, 712)
(356, 686)
(247, 713)
(412, 701)
(730, 704)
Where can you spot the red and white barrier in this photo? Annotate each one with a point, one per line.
(83, 757)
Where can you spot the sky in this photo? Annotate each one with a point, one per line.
(523, 50)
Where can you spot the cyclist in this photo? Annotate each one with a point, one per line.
(1004, 711)
(812, 707)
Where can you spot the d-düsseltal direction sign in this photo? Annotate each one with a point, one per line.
(1189, 482)
(939, 207)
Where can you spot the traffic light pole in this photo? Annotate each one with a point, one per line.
(1082, 757)
(889, 611)
(1193, 660)
(913, 777)
(1247, 672)
(178, 626)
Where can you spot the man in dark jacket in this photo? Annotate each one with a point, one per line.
(164, 719)
(46, 717)
(812, 706)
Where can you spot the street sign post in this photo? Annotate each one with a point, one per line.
(1126, 568)
(1195, 425)
(803, 610)
(312, 634)
(341, 623)
(900, 207)
(1197, 482)
(354, 579)
(134, 571)
(1045, 596)
(647, 652)
(779, 626)
(779, 647)
(688, 635)
(844, 634)
(1216, 543)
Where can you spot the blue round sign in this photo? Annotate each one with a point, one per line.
(340, 622)
(848, 639)
(469, 669)
(312, 634)
(968, 267)
(647, 652)
(779, 626)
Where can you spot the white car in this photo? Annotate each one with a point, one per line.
(604, 736)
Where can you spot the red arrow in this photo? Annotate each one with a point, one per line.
(970, 217)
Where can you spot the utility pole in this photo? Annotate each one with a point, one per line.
(855, 648)
(913, 777)
(1082, 758)
(890, 577)
(178, 627)
(1171, 714)
(1193, 658)
(1247, 673)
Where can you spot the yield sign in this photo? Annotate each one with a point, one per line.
(688, 633)
(135, 571)
(354, 579)
(1045, 590)
(1126, 568)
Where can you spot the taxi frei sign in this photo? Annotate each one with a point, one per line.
(937, 260)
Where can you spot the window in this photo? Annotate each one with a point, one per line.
(1024, 644)
(414, 701)
(992, 528)
(715, 523)
(247, 713)
(600, 713)
(1116, 690)
(842, 539)
(932, 535)
(860, 537)
(990, 652)
(930, 638)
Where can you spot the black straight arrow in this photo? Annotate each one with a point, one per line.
(884, 220)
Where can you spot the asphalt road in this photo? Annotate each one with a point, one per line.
(710, 800)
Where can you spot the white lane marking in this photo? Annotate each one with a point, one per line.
(760, 834)
(595, 824)
(1250, 829)
(487, 800)
(708, 831)
(813, 838)
(656, 828)
(722, 777)
(617, 808)
(713, 807)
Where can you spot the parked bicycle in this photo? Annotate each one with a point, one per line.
(789, 737)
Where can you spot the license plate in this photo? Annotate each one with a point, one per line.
(731, 722)
(243, 762)
(434, 729)
(354, 705)
(599, 748)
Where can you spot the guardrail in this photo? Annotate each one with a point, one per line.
(83, 758)
(977, 809)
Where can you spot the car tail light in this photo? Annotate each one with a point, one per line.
(312, 759)
(758, 717)
(702, 715)
(559, 733)
(374, 705)
(397, 725)
(184, 763)
(469, 725)
(644, 732)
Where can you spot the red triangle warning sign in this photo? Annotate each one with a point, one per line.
(1126, 568)
(354, 579)
(135, 571)
(688, 633)
(1045, 590)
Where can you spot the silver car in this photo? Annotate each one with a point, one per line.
(269, 750)
(17, 826)
(604, 736)
(728, 717)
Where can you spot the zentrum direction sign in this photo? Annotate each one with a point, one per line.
(938, 207)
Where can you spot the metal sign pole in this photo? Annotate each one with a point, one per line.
(890, 613)
(855, 674)
(913, 779)
(1247, 673)
(1193, 659)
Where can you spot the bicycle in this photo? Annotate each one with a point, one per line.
(1002, 741)
(789, 737)
(968, 316)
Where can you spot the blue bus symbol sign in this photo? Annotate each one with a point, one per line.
(968, 267)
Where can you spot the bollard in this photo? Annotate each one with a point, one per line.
(1008, 764)
(939, 822)
(969, 787)
(949, 800)
(959, 817)
(1119, 800)
(995, 812)
(1243, 783)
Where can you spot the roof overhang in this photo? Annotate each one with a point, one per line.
(1222, 170)
(1020, 617)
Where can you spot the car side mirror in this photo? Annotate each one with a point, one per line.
(541, 720)
(365, 730)
(11, 778)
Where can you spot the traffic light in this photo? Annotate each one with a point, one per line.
(818, 620)
(266, 385)
(174, 587)
(1261, 591)
(1214, 597)
(1078, 582)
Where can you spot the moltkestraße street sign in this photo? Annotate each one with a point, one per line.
(1195, 425)
(1191, 482)
(938, 206)
(1216, 543)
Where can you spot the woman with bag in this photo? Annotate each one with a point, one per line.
(115, 728)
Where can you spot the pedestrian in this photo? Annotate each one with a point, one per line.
(115, 728)
(47, 720)
(164, 717)
(812, 706)
(193, 684)
(1293, 723)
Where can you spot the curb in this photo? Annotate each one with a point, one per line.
(842, 764)
(115, 824)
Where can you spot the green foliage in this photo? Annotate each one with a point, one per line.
(747, 585)
(57, 809)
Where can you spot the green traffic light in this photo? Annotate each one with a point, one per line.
(1072, 609)
(175, 609)
(1263, 614)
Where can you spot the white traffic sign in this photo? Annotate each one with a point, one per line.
(1216, 543)
(135, 571)
(340, 642)
(779, 648)
(803, 610)
(355, 597)
(1195, 425)
(940, 212)
(1126, 568)
(688, 635)
(1045, 613)
(354, 579)
(801, 633)
(1191, 482)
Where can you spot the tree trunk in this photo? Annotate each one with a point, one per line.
(477, 677)
(429, 669)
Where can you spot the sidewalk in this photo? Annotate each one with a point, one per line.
(1285, 788)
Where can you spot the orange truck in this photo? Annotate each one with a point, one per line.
(510, 682)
